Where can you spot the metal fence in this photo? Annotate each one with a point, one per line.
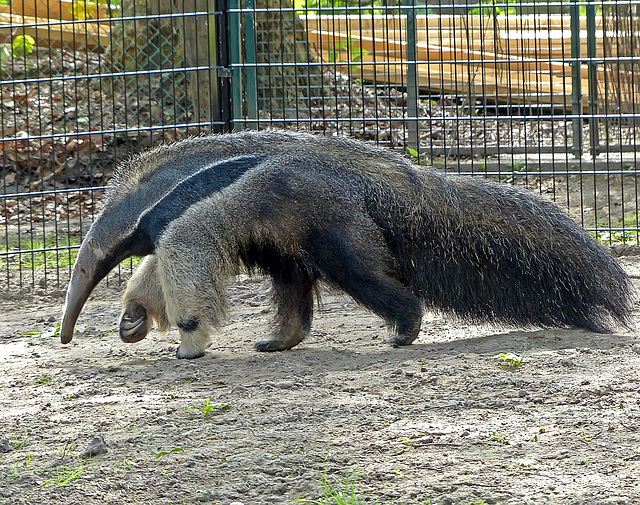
(542, 94)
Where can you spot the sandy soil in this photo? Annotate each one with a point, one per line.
(440, 422)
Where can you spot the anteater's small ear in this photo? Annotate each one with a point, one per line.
(92, 243)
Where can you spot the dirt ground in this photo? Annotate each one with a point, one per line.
(440, 422)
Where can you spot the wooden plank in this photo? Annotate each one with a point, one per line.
(541, 42)
(341, 49)
(68, 10)
(497, 84)
(490, 86)
(49, 33)
(506, 61)
(444, 22)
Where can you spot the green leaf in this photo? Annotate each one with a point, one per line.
(164, 453)
(53, 333)
(208, 407)
(511, 359)
(23, 45)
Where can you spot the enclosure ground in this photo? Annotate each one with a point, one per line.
(439, 422)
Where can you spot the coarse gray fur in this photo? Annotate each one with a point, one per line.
(303, 208)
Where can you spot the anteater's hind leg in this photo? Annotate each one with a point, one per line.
(360, 264)
(293, 296)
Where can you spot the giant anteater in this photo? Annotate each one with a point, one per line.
(302, 209)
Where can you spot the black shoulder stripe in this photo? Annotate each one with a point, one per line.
(191, 190)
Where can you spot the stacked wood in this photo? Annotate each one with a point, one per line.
(57, 23)
(507, 59)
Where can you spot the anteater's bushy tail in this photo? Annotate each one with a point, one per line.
(490, 252)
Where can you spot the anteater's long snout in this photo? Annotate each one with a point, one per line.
(89, 269)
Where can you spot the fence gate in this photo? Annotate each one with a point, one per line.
(539, 94)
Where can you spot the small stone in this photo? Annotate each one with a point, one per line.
(97, 446)
(636, 348)
(524, 462)
(205, 496)
(5, 446)
(446, 500)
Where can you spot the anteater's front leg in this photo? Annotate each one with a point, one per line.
(143, 301)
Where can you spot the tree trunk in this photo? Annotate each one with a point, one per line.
(150, 43)
(622, 93)
(288, 76)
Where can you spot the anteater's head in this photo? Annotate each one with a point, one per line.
(103, 248)
(148, 194)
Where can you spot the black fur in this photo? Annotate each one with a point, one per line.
(197, 187)
(190, 325)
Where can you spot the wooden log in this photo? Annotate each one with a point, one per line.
(55, 33)
(68, 10)
(342, 49)
(543, 40)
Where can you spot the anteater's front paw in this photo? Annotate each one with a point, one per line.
(133, 323)
(192, 344)
(184, 352)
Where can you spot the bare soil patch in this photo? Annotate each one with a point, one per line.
(439, 422)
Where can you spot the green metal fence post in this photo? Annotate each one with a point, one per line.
(592, 66)
(412, 77)
(216, 115)
(235, 48)
(576, 78)
(251, 60)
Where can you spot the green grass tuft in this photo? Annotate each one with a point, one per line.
(35, 255)
(340, 494)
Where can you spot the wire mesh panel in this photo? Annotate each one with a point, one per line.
(83, 84)
(542, 94)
